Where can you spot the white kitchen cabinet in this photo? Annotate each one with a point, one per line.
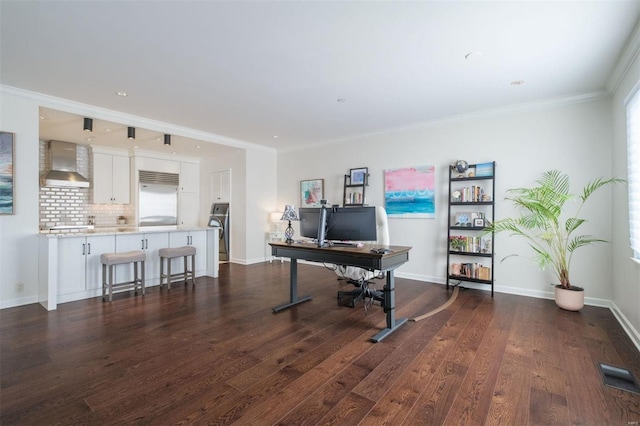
(189, 196)
(79, 259)
(151, 243)
(189, 177)
(221, 186)
(198, 239)
(111, 183)
(189, 208)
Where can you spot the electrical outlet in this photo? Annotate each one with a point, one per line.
(19, 287)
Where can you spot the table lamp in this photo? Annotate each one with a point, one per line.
(274, 218)
(289, 214)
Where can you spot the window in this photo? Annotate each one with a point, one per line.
(633, 165)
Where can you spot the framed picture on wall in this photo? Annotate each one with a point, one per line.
(6, 173)
(311, 192)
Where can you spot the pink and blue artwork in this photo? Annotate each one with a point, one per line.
(410, 192)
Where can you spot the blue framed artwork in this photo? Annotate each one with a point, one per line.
(6, 173)
(410, 192)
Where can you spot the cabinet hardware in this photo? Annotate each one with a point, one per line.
(88, 248)
(146, 243)
(142, 244)
(83, 249)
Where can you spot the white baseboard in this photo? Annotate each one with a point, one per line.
(631, 331)
(12, 303)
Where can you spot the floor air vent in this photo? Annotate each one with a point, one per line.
(619, 378)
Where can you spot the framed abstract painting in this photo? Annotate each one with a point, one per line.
(6, 173)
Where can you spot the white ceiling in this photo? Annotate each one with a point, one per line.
(252, 70)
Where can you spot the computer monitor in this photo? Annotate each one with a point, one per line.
(309, 219)
(342, 223)
(352, 224)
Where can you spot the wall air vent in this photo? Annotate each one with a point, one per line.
(159, 178)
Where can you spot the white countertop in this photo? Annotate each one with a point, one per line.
(115, 230)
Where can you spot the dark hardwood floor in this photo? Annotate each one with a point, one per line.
(216, 354)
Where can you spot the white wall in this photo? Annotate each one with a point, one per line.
(18, 232)
(626, 274)
(573, 137)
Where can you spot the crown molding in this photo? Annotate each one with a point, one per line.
(95, 112)
(627, 57)
(536, 105)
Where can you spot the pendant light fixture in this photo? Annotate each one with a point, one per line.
(167, 139)
(131, 133)
(88, 124)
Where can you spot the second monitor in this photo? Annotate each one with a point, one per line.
(342, 223)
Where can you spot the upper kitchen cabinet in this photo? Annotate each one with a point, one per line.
(221, 186)
(111, 183)
(189, 177)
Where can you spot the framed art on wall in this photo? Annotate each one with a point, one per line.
(409, 192)
(311, 192)
(6, 173)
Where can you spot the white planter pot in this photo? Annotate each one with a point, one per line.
(570, 300)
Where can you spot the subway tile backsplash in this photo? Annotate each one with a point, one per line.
(71, 206)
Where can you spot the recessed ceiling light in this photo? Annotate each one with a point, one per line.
(275, 136)
(123, 94)
(197, 146)
(342, 100)
(473, 55)
(89, 139)
(42, 117)
(517, 82)
(135, 147)
(173, 152)
(107, 130)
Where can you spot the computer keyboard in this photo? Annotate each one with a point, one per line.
(343, 244)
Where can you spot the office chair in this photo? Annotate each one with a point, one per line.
(361, 277)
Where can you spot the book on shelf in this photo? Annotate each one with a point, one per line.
(470, 270)
(470, 194)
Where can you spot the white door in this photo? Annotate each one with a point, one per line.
(189, 208)
(199, 241)
(71, 264)
(121, 186)
(96, 246)
(221, 186)
(102, 178)
(153, 242)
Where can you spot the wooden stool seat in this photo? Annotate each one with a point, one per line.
(171, 253)
(110, 260)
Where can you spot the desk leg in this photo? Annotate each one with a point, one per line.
(390, 309)
(293, 289)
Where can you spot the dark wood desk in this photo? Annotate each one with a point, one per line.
(352, 256)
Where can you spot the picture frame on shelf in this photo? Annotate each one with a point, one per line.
(359, 176)
(311, 192)
(462, 219)
(478, 222)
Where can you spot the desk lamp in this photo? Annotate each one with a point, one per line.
(289, 214)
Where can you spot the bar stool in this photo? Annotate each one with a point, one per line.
(111, 260)
(172, 253)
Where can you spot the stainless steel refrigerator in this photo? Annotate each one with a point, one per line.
(158, 204)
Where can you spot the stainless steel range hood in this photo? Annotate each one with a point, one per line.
(64, 168)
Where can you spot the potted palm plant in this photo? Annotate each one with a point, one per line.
(550, 230)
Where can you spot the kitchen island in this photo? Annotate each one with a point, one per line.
(69, 260)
